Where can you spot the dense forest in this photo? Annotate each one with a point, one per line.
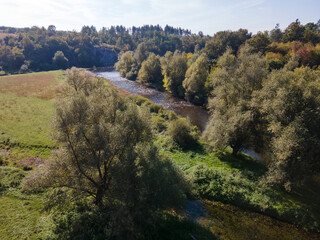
(122, 167)
(39, 49)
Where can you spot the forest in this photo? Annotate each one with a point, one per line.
(91, 162)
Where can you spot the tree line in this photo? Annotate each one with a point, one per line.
(39, 49)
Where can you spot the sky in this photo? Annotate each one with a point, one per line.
(208, 16)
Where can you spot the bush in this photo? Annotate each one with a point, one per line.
(183, 133)
(159, 122)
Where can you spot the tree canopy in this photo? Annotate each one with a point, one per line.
(106, 154)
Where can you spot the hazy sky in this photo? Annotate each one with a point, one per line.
(208, 16)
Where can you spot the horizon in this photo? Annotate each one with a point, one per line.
(203, 15)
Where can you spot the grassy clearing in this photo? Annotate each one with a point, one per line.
(26, 109)
(25, 121)
(39, 85)
(20, 214)
(3, 35)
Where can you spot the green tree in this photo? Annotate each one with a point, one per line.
(141, 54)
(174, 68)
(294, 32)
(194, 83)
(59, 60)
(219, 43)
(150, 72)
(182, 132)
(233, 120)
(276, 34)
(124, 65)
(106, 154)
(289, 103)
(259, 42)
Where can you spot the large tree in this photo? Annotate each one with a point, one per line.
(59, 60)
(233, 120)
(174, 67)
(219, 43)
(289, 104)
(194, 83)
(125, 64)
(106, 154)
(150, 72)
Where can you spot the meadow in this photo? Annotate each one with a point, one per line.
(26, 110)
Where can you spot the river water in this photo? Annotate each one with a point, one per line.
(197, 115)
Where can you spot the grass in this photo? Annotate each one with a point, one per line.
(26, 109)
(25, 121)
(20, 214)
(233, 223)
(220, 176)
(172, 227)
(20, 218)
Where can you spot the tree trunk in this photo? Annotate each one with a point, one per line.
(99, 196)
(235, 149)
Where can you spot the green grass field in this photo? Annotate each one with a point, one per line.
(26, 110)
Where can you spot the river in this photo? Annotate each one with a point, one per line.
(197, 115)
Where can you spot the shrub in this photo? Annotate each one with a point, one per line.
(159, 123)
(183, 133)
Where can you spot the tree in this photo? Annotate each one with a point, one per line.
(182, 132)
(294, 32)
(276, 34)
(150, 72)
(219, 43)
(194, 83)
(106, 154)
(59, 60)
(124, 65)
(141, 54)
(259, 42)
(233, 120)
(51, 30)
(289, 104)
(174, 68)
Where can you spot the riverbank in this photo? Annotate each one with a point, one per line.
(197, 115)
